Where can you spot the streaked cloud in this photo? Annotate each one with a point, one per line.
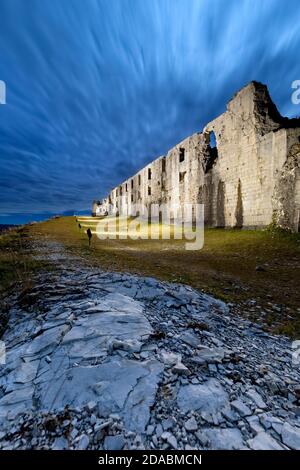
(97, 88)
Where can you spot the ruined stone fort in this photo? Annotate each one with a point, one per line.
(244, 167)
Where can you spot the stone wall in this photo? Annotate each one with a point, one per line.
(250, 178)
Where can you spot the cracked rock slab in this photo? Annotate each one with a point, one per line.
(120, 386)
(210, 397)
(263, 441)
(224, 439)
(102, 361)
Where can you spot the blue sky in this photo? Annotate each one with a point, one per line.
(97, 88)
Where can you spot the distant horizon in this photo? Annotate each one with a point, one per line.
(21, 219)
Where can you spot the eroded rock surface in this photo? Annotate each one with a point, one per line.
(105, 360)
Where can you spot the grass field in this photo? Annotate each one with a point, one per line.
(17, 267)
(16, 261)
(225, 267)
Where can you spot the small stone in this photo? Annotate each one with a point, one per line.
(188, 447)
(266, 421)
(190, 338)
(202, 438)
(207, 417)
(170, 358)
(144, 354)
(254, 396)
(74, 433)
(264, 441)
(229, 414)
(91, 405)
(168, 424)
(167, 436)
(159, 430)
(255, 427)
(291, 436)
(191, 424)
(104, 425)
(150, 430)
(180, 369)
(83, 442)
(93, 419)
(277, 427)
(60, 443)
(224, 438)
(241, 408)
(114, 442)
(260, 268)
(209, 355)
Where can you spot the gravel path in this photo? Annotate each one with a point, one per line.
(101, 360)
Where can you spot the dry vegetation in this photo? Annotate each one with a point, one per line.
(226, 267)
(17, 267)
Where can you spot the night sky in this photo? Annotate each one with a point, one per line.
(98, 88)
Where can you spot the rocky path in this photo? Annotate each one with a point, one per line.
(99, 360)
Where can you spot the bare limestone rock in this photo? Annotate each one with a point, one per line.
(106, 361)
(209, 397)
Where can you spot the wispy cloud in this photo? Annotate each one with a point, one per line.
(95, 89)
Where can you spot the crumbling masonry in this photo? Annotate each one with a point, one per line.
(244, 167)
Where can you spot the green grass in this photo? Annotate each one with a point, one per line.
(17, 267)
(225, 267)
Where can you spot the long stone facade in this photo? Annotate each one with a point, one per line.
(244, 167)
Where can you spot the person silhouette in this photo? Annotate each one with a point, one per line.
(89, 234)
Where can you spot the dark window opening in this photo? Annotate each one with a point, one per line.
(212, 140)
(139, 180)
(181, 176)
(121, 190)
(163, 165)
(181, 154)
(212, 152)
(131, 197)
(126, 188)
(149, 174)
(193, 217)
(149, 190)
(139, 194)
(117, 193)
(131, 184)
